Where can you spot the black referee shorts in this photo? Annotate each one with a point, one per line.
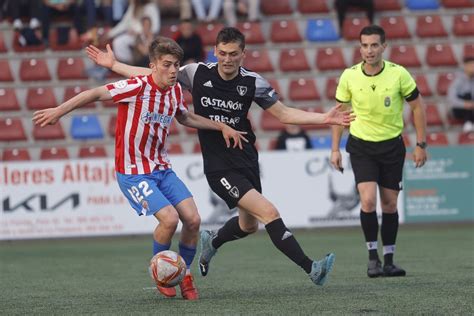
(380, 162)
(230, 185)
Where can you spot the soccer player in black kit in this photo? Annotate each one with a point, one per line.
(224, 92)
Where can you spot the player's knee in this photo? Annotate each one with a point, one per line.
(169, 219)
(368, 204)
(250, 228)
(270, 214)
(389, 206)
(193, 223)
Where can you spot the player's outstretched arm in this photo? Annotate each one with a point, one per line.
(107, 60)
(336, 131)
(52, 115)
(419, 120)
(196, 121)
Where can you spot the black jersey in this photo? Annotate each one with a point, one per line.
(226, 101)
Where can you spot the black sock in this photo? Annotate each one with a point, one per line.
(370, 227)
(230, 231)
(283, 239)
(389, 232)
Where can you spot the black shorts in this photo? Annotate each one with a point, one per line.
(230, 185)
(380, 162)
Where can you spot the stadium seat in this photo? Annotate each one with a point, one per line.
(468, 50)
(430, 26)
(443, 82)
(272, 144)
(175, 149)
(270, 123)
(293, 60)
(303, 90)
(387, 5)
(86, 127)
(16, 154)
(321, 30)
(190, 130)
(312, 7)
(3, 46)
(208, 33)
(285, 31)
(321, 141)
(457, 3)
(466, 138)
(422, 4)
(331, 86)
(423, 86)
(404, 55)
(34, 70)
(406, 140)
(74, 42)
(437, 139)
(40, 98)
(463, 25)
(275, 7)
(6, 73)
(70, 92)
(395, 27)
(17, 47)
(8, 100)
(197, 148)
(71, 68)
(356, 57)
(352, 26)
(330, 58)
(433, 117)
(452, 121)
(111, 125)
(92, 151)
(11, 129)
(49, 132)
(170, 30)
(252, 31)
(440, 55)
(53, 153)
(174, 128)
(258, 61)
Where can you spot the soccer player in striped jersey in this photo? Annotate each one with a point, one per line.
(146, 108)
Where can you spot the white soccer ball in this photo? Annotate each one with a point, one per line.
(167, 268)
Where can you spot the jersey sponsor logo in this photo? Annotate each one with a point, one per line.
(221, 104)
(152, 117)
(242, 90)
(224, 119)
(120, 84)
(208, 84)
(387, 102)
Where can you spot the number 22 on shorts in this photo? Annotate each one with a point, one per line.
(135, 193)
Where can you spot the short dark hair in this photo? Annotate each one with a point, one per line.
(164, 46)
(231, 35)
(373, 30)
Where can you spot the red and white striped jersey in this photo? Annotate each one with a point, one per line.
(145, 115)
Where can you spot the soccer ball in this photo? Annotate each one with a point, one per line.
(167, 268)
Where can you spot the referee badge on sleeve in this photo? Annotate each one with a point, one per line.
(387, 102)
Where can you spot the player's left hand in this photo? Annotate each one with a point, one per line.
(419, 156)
(336, 116)
(46, 117)
(237, 137)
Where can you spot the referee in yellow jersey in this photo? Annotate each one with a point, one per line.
(377, 89)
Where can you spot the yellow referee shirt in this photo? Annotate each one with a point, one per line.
(377, 101)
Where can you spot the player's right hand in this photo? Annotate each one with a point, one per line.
(45, 117)
(336, 160)
(104, 59)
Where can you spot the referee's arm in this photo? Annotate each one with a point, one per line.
(419, 120)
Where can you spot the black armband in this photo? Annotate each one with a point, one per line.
(412, 95)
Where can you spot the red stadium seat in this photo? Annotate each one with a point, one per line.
(174, 128)
(452, 121)
(11, 129)
(293, 60)
(252, 31)
(468, 50)
(8, 100)
(423, 86)
(437, 139)
(49, 132)
(440, 55)
(303, 90)
(395, 27)
(16, 154)
(175, 149)
(356, 57)
(40, 98)
(71, 92)
(3, 47)
(406, 140)
(71, 68)
(272, 143)
(270, 123)
(74, 42)
(405, 55)
(387, 5)
(466, 138)
(314, 109)
(92, 151)
(443, 82)
(190, 130)
(311, 7)
(430, 26)
(463, 25)
(6, 73)
(276, 85)
(208, 33)
(331, 87)
(197, 148)
(53, 153)
(17, 47)
(285, 31)
(275, 7)
(258, 60)
(352, 27)
(111, 125)
(457, 3)
(330, 58)
(433, 117)
(34, 70)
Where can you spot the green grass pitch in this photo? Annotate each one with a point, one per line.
(247, 277)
